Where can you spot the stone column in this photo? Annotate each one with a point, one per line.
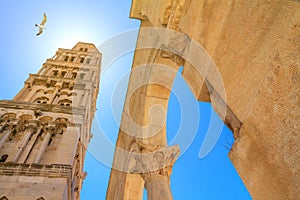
(3, 126)
(52, 99)
(158, 187)
(49, 132)
(9, 128)
(156, 168)
(30, 129)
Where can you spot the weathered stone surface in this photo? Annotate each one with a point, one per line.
(45, 129)
(243, 56)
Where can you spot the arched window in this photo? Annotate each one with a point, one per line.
(74, 74)
(65, 102)
(54, 72)
(43, 100)
(3, 158)
(66, 58)
(63, 73)
(4, 198)
(81, 60)
(41, 198)
(72, 58)
(49, 92)
(40, 91)
(63, 93)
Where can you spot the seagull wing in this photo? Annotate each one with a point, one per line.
(40, 32)
(44, 20)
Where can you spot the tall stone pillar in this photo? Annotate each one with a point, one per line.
(155, 168)
(158, 187)
(49, 131)
(30, 128)
(9, 128)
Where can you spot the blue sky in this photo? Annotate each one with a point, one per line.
(101, 22)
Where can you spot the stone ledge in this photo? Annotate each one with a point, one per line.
(42, 107)
(53, 171)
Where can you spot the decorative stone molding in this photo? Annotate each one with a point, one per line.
(42, 107)
(32, 124)
(157, 162)
(12, 124)
(172, 14)
(14, 169)
(50, 127)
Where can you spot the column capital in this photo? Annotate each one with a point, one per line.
(50, 127)
(32, 124)
(12, 123)
(159, 162)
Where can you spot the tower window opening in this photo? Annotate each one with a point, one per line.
(81, 49)
(3, 158)
(86, 49)
(65, 85)
(72, 58)
(66, 58)
(74, 74)
(88, 61)
(63, 74)
(81, 60)
(55, 72)
(65, 102)
(43, 100)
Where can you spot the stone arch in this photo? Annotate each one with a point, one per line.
(40, 91)
(42, 99)
(63, 92)
(54, 72)
(8, 116)
(158, 73)
(49, 92)
(26, 117)
(65, 102)
(73, 94)
(45, 120)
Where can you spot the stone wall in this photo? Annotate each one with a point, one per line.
(253, 76)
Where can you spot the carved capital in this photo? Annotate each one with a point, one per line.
(61, 127)
(160, 161)
(32, 125)
(12, 124)
(172, 15)
(50, 127)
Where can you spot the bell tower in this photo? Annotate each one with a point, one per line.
(45, 129)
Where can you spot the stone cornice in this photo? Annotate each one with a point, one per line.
(42, 107)
(53, 171)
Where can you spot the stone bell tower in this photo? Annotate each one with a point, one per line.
(45, 129)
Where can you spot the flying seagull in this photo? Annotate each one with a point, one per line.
(41, 25)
